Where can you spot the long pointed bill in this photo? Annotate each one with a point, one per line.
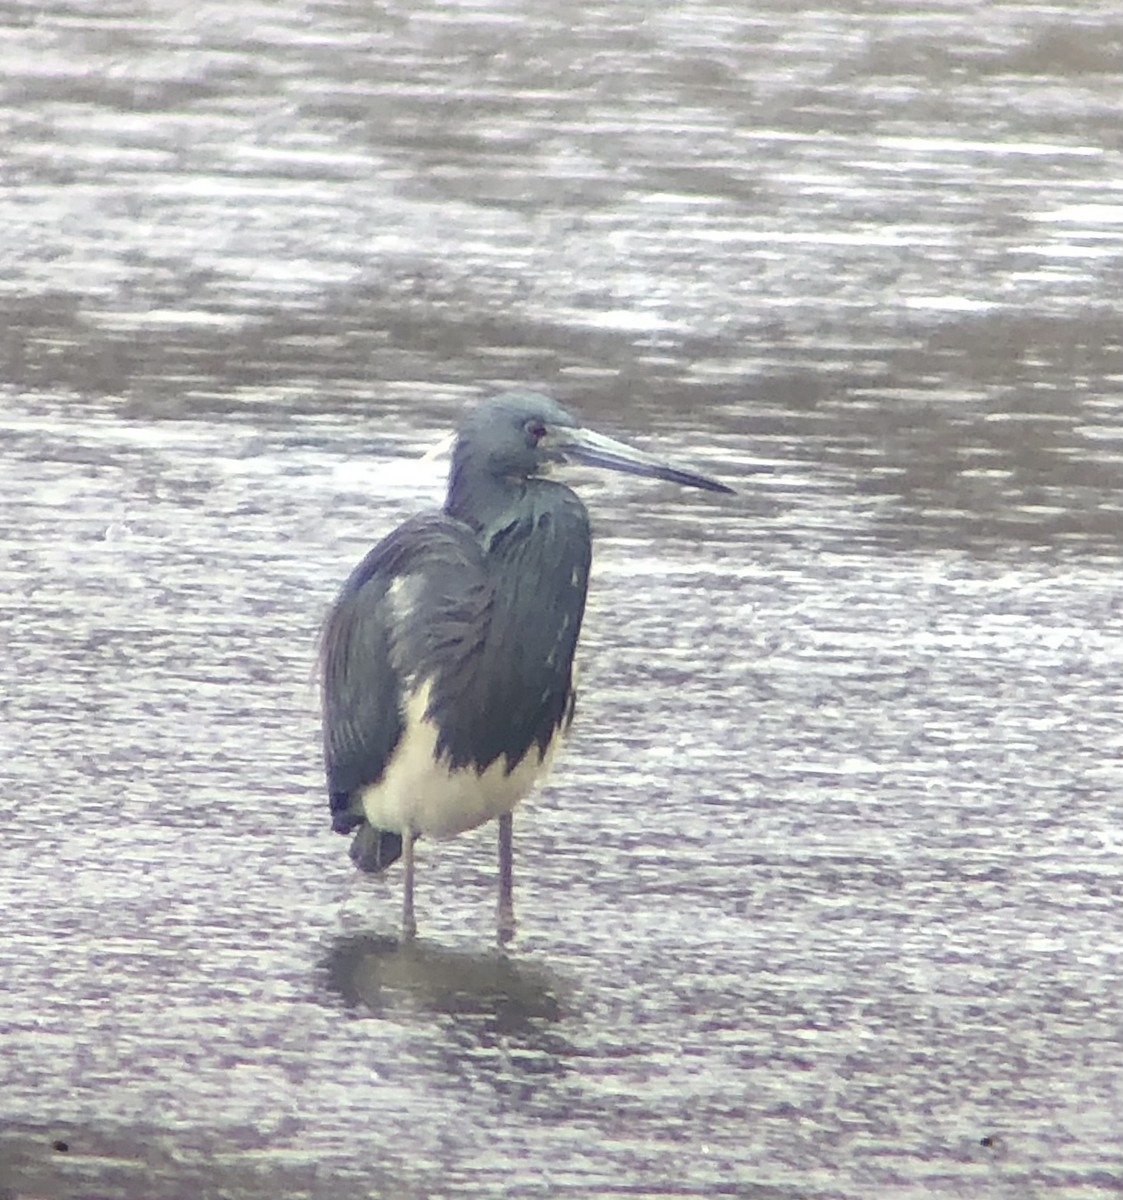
(596, 450)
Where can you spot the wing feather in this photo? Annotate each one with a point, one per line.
(414, 606)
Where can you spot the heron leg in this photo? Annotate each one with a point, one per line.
(505, 923)
(409, 921)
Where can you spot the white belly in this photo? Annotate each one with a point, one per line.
(419, 793)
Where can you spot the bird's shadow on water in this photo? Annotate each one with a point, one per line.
(385, 976)
(480, 1017)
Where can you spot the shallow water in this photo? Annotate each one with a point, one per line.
(822, 898)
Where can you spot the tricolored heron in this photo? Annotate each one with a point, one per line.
(447, 659)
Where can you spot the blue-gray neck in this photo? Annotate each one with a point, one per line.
(480, 498)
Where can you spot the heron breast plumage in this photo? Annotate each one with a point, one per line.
(421, 791)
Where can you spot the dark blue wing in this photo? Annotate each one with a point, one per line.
(514, 690)
(417, 603)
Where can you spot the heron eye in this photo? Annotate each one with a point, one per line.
(535, 430)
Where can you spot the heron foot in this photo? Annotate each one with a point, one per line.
(505, 920)
(505, 925)
(409, 921)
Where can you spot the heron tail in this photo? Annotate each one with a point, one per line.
(374, 850)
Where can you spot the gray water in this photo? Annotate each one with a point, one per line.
(823, 899)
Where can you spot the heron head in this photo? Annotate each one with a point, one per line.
(520, 434)
(508, 440)
(513, 436)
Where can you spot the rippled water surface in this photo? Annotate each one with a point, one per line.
(823, 900)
